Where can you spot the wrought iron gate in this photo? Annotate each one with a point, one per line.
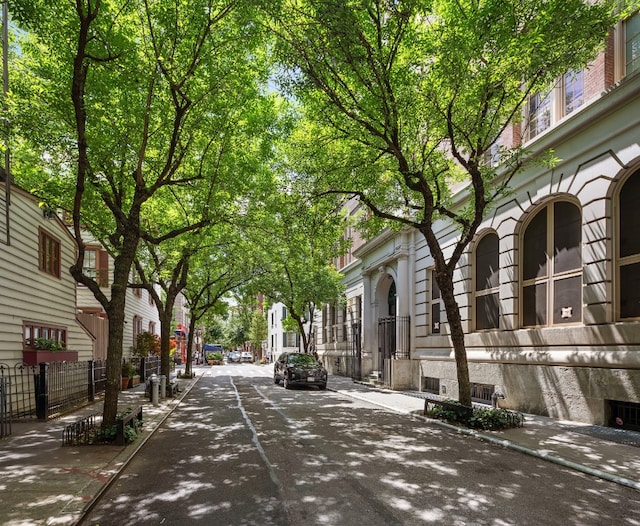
(356, 351)
(389, 346)
(386, 344)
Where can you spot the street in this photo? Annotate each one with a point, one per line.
(240, 450)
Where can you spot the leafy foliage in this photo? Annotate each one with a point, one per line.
(477, 417)
(402, 101)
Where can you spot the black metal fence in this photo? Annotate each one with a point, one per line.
(48, 390)
(5, 404)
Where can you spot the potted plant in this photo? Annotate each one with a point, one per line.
(128, 371)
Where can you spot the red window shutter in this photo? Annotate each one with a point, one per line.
(102, 272)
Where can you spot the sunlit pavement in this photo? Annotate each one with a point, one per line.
(42, 482)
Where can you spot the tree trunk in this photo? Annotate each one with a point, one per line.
(444, 278)
(114, 360)
(115, 310)
(165, 335)
(457, 340)
(305, 341)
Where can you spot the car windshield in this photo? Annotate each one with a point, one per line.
(301, 359)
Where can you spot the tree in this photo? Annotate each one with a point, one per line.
(405, 99)
(258, 331)
(295, 245)
(221, 266)
(130, 106)
(168, 269)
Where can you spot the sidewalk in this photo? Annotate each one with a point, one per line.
(611, 454)
(43, 483)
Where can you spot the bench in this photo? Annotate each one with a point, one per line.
(133, 419)
(459, 413)
(172, 389)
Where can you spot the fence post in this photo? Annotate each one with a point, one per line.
(42, 397)
(143, 370)
(91, 384)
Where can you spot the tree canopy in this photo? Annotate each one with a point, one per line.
(137, 118)
(404, 100)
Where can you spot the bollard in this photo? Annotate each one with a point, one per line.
(154, 389)
(163, 385)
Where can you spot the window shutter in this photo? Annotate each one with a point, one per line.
(102, 272)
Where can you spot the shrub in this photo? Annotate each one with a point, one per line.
(480, 418)
(492, 418)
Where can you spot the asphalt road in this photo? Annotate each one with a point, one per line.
(240, 450)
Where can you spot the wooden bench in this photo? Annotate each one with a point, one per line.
(133, 419)
(172, 389)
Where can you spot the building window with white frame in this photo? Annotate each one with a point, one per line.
(551, 266)
(539, 113)
(628, 250)
(573, 86)
(487, 282)
(632, 43)
(434, 303)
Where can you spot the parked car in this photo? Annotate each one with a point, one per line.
(233, 357)
(246, 357)
(299, 369)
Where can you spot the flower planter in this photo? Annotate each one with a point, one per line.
(125, 382)
(36, 356)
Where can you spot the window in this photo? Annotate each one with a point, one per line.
(539, 114)
(33, 331)
(487, 282)
(573, 91)
(632, 43)
(49, 254)
(137, 327)
(152, 327)
(96, 265)
(629, 248)
(552, 266)
(434, 303)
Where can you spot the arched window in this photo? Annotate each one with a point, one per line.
(487, 305)
(629, 249)
(552, 266)
(391, 299)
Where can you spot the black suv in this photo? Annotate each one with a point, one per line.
(293, 368)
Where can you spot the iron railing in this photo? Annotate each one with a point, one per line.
(5, 404)
(394, 338)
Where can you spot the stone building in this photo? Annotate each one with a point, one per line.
(549, 290)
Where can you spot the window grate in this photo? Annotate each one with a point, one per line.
(624, 415)
(482, 393)
(431, 385)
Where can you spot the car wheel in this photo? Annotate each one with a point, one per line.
(276, 380)
(322, 387)
(286, 383)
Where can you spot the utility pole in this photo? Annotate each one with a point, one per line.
(5, 90)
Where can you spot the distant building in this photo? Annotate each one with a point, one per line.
(278, 339)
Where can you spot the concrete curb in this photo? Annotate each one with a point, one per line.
(505, 443)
